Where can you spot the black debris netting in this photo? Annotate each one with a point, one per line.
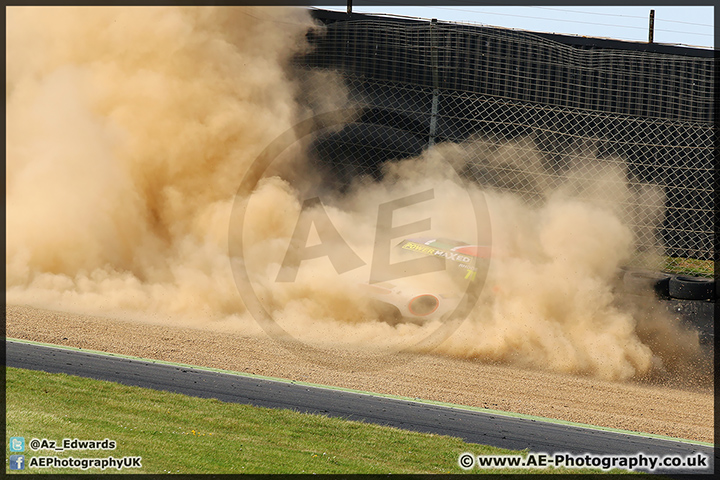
(648, 112)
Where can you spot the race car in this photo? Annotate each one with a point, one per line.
(404, 300)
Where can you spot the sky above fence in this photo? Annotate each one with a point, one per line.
(684, 25)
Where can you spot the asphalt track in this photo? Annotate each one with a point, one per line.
(494, 429)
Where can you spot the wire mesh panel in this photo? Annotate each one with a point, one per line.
(546, 111)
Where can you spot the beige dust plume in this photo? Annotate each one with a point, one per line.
(128, 133)
(553, 298)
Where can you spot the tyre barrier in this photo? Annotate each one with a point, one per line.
(692, 288)
(666, 286)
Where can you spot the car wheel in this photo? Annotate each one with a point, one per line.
(692, 288)
(387, 313)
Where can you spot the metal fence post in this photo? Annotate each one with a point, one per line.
(436, 86)
(651, 26)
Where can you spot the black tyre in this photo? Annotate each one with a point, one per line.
(646, 281)
(692, 288)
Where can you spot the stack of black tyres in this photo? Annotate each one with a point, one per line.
(666, 286)
(692, 288)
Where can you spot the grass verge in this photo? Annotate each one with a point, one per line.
(175, 433)
(690, 266)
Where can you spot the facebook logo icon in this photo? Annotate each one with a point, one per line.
(17, 462)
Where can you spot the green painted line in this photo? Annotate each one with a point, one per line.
(382, 395)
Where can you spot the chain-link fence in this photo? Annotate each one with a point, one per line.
(533, 114)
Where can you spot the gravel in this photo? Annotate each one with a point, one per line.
(669, 407)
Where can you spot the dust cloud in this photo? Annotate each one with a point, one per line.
(552, 296)
(130, 131)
